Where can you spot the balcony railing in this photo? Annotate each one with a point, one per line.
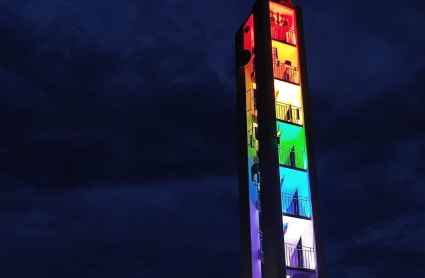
(258, 206)
(296, 205)
(279, 34)
(299, 256)
(292, 158)
(285, 72)
(288, 113)
(260, 251)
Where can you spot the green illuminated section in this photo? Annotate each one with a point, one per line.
(292, 136)
(292, 146)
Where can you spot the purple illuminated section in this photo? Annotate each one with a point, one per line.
(255, 243)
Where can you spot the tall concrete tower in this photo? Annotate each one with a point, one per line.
(278, 196)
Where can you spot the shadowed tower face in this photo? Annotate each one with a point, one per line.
(279, 209)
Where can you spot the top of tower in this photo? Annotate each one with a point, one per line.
(285, 2)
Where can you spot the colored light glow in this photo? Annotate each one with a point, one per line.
(294, 180)
(292, 136)
(285, 45)
(288, 93)
(284, 39)
(288, 14)
(252, 150)
(298, 229)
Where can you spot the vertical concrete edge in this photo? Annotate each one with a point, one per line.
(317, 222)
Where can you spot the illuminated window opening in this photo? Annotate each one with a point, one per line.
(282, 23)
(288, 113)
(292, 146)
(299, 256)
(293, 204)
(299, 244)
(293, 158)
(285, 68)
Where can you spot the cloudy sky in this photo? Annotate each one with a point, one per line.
(118, 141)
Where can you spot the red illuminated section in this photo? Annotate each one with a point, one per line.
(250, 82)
(282, 23)
(249, 34)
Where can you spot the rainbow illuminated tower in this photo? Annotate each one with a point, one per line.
(278, 195)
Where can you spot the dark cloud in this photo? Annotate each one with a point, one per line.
(131, 231)
(83, 124)
(118, 140)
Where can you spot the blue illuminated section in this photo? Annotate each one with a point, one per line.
(295, 190)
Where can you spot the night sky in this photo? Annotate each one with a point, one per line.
(118, 153)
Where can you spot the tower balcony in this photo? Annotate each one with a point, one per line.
(299, 257)
(284, 112)
(285, 72)
(293, 204)
(280, 34)
(291, 157)
(288, 113)
(260, 251)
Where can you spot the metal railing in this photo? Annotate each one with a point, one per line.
(288, 113)
(258, 205)
(285, 72)
(279, 34)
(292, 157)
(296, 205)
(299, 256)
(250, 99)
(251, 138)
(260, 251)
